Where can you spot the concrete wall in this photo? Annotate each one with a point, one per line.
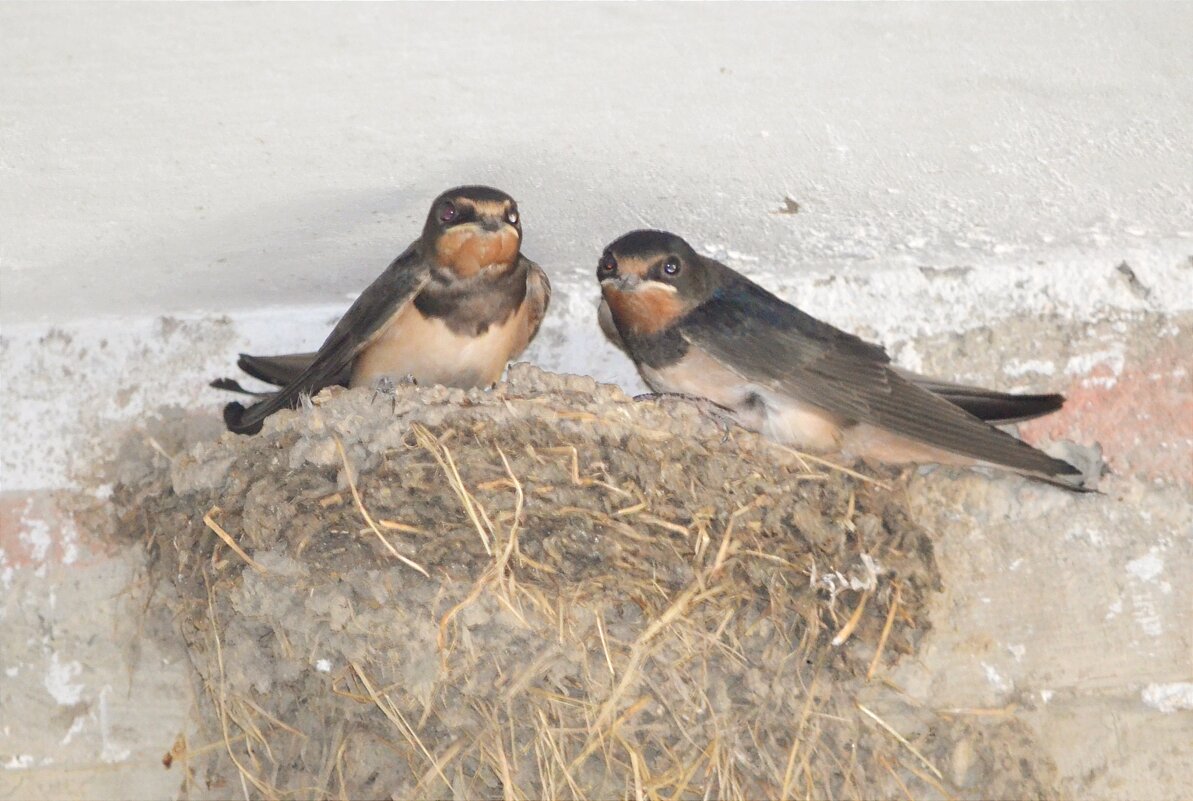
(997, 193)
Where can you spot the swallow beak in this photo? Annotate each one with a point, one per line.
(621, 283)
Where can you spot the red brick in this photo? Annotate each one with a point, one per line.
(1143, 418)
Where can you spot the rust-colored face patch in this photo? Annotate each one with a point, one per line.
(467, 249)
(645, 310)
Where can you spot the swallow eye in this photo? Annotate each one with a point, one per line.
(448, 212)
(607, 265)
(671, 266)
(511, 216)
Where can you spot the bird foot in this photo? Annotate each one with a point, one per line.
(386, 386)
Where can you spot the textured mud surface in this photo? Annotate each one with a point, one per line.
(549, 590)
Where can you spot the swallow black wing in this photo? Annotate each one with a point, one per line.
(362, 323)
(538, 297)
(277, 370)
(779, 348)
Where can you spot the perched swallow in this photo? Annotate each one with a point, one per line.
(453, 309)
(695, 327)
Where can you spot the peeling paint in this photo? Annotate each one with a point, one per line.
(996, 679)
(112, 752)
(1147, 567)
(1169, 698)
(1145, 613)
(35, 535)
(1145, 570)
(76, 726)
(1015, 368)
(1083, 364)
(19, 762)
(6, 571)
(68, 541)
(1115, 609)
(58, 681)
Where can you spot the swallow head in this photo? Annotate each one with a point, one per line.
(473, 228)
(649, 279)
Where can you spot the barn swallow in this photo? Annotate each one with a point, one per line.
(695, 327)
(457, 305)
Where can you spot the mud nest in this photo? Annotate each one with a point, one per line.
(544, 590)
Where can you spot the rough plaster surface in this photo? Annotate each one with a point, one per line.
(998, 194)
(90, 705)
(1071, 614)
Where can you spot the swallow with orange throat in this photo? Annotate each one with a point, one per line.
(695, 327)
(454, 308)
